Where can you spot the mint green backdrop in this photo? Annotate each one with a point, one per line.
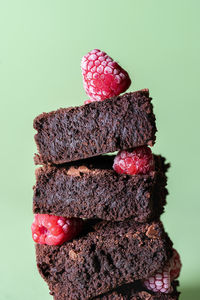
(41, 45)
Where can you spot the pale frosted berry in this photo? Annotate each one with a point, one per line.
(161, 281)
(102, 76)
(138, 161)
(54, 230)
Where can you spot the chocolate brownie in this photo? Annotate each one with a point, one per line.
(70, 134)
(112, 254)
(92, 189)
(136, 291)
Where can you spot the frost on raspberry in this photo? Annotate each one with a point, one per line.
(88, 101)
(103, 78)
(138, 161)
(161, 281)
(54, 230)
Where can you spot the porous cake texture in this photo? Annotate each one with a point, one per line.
(92, 189)
(110, 255)
(70, 134)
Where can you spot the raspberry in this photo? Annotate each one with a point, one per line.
(139, 161)
(176, 265)
(54, 230)
(102, 77)
(161, 281)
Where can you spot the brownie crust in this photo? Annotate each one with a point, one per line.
(92, 189)
(70, 134)
(112, 254)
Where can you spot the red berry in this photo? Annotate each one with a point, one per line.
(102, 76)
(139, 161)
(54, 230)
(175, 265)
(161, 281)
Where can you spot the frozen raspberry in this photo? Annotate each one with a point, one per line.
(102, 76)
(161, 281)
(138, 161)
(175, 265)
(53, 230)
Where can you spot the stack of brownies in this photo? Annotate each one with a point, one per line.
(96, 223)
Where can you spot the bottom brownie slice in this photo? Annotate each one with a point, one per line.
(110, 255)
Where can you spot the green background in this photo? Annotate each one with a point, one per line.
(41, 45)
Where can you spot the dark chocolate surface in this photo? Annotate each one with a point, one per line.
(70, 134)
(113, 254)
(92, 189)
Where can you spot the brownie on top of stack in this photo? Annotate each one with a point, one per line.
(97, 221)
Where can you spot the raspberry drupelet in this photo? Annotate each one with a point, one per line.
(103, 78)
(54, 230)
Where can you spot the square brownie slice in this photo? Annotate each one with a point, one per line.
(110, 255)
(75, 133)
(91, 189)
